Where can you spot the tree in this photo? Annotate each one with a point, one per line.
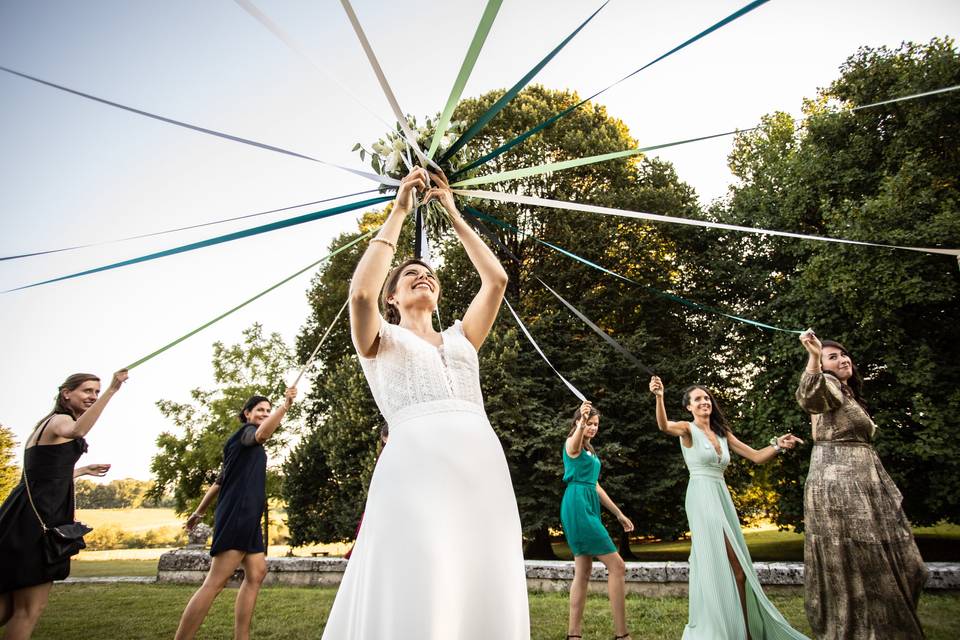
(9, 458)
(528, 407)
(883, 174)
(188, 462)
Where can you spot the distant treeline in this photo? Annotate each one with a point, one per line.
(128, 493)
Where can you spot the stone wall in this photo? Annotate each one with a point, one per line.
(189, 566)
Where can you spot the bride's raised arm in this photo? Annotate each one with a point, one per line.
(372, 269)
(482, 312)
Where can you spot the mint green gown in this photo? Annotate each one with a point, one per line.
(715, 612)
(580, 509)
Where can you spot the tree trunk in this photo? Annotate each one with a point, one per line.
(266, 527)
(540, 548)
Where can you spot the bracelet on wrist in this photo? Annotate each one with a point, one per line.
(775, 444)
(386, 242)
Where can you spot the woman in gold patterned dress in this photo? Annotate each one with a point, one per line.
(863, 573)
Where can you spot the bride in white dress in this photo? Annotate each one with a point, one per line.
(439, 554)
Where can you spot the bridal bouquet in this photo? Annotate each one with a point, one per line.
(391, 156)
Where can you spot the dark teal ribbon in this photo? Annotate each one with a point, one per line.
(488, 115)
(273, 226)
(192, 226)
(619, 348)
(663, 294)
(546, 123)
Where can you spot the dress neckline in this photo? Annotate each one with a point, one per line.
(438, 347)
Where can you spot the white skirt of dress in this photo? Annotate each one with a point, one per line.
(439, 555)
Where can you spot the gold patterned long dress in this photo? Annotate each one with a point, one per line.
(863, 573)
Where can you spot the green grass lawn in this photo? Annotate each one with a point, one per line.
(94, 568)
(152, 611)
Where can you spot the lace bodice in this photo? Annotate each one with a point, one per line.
(408, 370)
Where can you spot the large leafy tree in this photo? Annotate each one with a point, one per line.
(884, 174)
(528, 407)
(188, 460)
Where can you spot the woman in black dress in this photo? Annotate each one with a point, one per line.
(237, 536)
(51, 452)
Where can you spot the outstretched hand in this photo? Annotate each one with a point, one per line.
(118, 379)
(656, 386)
(811, 343)
(788, 441)
(441, 192)
(416, 180)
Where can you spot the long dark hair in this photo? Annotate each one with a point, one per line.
(250, 404)
(576, 416)
(391, 313)
(60, 405)
(718, 422)
(853, 387)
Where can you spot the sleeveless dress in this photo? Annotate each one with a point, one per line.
(439, 556)
(580, 508)
(715, 612)
(243, 492)
(50, 470)
(863, 574)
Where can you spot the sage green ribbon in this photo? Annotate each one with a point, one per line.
(473, 52)
(546, 123)
(497, 106)
(223, 315)
(273, 226)
(593, 265)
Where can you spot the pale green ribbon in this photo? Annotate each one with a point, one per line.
(249, 300)
(473, 52)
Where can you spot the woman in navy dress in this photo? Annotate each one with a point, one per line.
(51, 452)
(237, 535)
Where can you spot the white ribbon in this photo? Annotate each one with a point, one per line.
(320, 344)
(533, 201)
(385, 86)
(523, 328)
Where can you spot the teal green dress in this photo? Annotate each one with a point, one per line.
(715, 611)
(580, 509)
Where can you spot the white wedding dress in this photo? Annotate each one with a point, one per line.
(439, 554)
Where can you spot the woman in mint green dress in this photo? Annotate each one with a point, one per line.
(726, 600)
(586, 535)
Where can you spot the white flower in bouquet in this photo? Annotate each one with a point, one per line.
(393, 162)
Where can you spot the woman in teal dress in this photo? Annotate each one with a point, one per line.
(586, 535)
(725, 599)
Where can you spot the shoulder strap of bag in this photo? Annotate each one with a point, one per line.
(26, 481)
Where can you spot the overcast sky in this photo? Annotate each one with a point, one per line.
(73, 171)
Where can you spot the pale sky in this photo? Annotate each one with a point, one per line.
(73, 171)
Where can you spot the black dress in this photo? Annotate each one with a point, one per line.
(50, 470)
(243, 493)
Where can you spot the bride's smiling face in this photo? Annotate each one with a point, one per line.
(417, 286)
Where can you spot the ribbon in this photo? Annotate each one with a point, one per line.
(497, 106)
(527, 172)
(533, 201)
(273, 226)
(664, 294)
(546, 123)
(523, 328)
(193, 226)
(385, 86)
(226, 136)
(473, 52)
(248, 301)
(294, 46)
(600, 332)
(324, 338)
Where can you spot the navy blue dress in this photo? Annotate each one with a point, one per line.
(243, 493)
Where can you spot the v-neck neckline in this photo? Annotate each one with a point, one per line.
(710, 444)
